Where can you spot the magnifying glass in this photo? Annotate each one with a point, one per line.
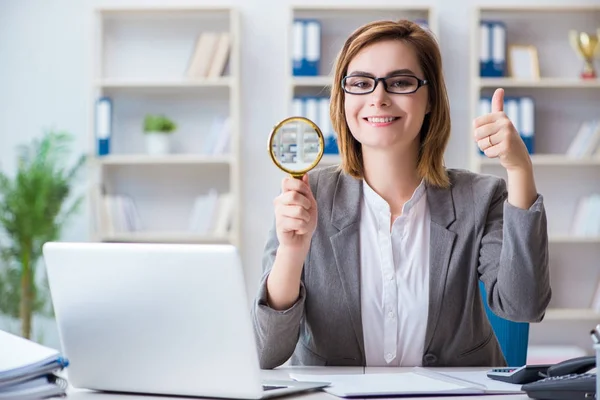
(296, 145)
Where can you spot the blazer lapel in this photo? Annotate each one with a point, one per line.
(345, 217)
(441, 209)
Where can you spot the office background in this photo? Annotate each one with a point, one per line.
(46, 75)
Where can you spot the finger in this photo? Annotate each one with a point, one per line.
(294, 184)
(493, 151)
(293, 198)
(295, 212)
(294, 225)
(484, 131)
(498, 100)
(310, 196)
(489, 142)
(487, 119)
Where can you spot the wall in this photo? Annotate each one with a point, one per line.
(45, 70)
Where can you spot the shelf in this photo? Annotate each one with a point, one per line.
(166, 237)
(548, 83)
(115, 83)
(158, 9)
(574, 239)
(581, 314)
(173, 159)
(360, 8)
(547, 160)
(311, 81)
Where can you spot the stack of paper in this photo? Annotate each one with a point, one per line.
(27, 369)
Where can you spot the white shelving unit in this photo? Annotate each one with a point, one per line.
(562, 102)
(337, 23)
(140, 59)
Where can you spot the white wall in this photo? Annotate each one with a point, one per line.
(45, 70)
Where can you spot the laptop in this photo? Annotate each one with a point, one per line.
(169, 319)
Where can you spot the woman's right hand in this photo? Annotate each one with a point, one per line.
(295, 214)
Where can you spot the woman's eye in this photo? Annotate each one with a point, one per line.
(401, 83)
(361, 84)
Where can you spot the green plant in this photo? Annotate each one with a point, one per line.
(34, 207)
(158, 123)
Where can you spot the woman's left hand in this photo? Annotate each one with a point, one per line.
(497, 137)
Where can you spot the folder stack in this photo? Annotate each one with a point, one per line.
(29, 370)
(492, 51)
(306, 50)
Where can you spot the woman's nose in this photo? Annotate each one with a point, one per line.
(379, 97)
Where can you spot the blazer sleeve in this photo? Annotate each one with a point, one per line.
(276, 331)
(513, 258)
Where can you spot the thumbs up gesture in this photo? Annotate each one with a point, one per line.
(497, 137)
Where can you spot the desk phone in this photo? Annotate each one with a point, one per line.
(567, 380)
(563, 387)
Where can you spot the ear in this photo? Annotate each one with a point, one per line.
(428, 109)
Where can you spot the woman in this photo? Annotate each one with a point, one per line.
(377, 263)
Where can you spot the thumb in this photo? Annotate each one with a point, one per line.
(498, 100)
(305, 180)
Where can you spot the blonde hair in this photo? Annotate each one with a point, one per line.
(435, 131)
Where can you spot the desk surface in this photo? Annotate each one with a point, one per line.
(282, 373)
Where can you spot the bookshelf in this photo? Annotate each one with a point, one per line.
(336, 24)
(562, 101)
(143, 60)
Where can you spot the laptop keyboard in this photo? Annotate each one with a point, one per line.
(272, 387)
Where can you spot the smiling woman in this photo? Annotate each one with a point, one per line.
(378, 263)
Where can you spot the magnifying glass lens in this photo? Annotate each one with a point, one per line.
(296, 145)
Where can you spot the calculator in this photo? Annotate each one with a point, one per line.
(519, 375)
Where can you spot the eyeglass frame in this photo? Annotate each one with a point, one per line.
(420, 83)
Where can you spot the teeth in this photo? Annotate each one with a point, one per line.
(381, 120)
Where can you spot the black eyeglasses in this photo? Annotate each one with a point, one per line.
(397, 84)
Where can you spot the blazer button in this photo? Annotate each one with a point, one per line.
(430, 359)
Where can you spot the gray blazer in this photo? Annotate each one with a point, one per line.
(475, 235)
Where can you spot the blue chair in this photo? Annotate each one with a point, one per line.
(513, 336)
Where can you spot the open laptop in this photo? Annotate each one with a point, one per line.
(157, 319)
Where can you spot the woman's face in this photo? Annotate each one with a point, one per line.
(382, 120)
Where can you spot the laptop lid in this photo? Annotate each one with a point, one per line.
(154, 318)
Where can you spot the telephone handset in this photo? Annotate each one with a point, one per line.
(566, 380)
(577, 365)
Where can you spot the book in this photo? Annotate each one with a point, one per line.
(221, 55)
(27, 369)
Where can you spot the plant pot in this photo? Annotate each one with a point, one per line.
(157, 143)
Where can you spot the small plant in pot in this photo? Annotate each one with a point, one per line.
(157, 132)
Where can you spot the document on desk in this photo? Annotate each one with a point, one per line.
(417, 382)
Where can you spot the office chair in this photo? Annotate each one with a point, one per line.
(513, 336)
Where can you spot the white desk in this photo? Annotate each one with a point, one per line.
(283, 373)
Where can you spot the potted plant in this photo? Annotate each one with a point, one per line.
(35, 205)
(157, 129)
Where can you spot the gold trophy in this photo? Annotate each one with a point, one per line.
(587, 46)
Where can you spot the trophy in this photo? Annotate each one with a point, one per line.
(587, 46)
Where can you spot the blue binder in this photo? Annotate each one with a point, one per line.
(306, 47)
(527, 122)
(492, 57)
(104, 110)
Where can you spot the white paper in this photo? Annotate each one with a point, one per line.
(476, 377)
(17, 352)
(403, 383)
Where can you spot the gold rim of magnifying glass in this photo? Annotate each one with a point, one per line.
(297, 174)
